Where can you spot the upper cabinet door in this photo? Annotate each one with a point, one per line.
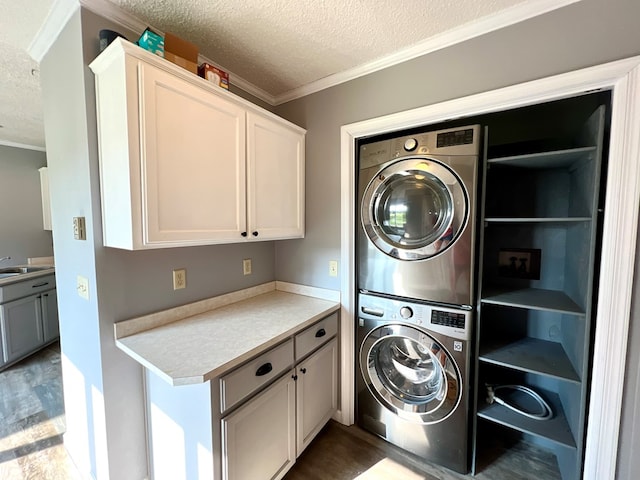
(192, 160)
(177, 167)
(275, 179)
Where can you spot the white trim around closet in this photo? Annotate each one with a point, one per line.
(618, 242)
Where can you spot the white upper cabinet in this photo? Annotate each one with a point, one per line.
(183, 162)
(275, 179)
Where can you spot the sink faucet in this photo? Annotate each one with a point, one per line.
(4, 258)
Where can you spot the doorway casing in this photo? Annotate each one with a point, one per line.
(618, 238)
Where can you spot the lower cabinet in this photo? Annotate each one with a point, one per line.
(316, 393)
(21, 327)
(252, 422)
(258, 439)
(28, 318)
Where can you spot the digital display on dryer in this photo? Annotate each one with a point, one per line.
(451, 139)
(447, 319)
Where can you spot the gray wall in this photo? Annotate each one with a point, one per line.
(103, 393)
(102, 385)
(588, 33)
(628, 461)
(21, 232)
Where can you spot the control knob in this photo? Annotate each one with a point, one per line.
(406, 312)
(410, 144)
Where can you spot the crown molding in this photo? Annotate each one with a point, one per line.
(505, 18)
(60, 13)
(24, 146)
(62, 10)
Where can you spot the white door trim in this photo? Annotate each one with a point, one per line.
(618, 242)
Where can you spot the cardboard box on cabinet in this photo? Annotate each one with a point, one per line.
(214, 75)
(151, 41)
(181, 52)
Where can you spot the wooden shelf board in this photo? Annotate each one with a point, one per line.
(556, 429)
(532, 355)
(553, 159)
(535, 298)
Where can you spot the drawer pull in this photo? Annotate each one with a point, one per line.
(321, 333)
(264, 369)
(39, 285)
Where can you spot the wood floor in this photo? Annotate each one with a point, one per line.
(32, 420)
(348, 453)
(32, 424)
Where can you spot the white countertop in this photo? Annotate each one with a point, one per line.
(203, 346)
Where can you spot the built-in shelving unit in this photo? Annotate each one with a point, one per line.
(540, 213)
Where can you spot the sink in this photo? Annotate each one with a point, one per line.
(10, 271)
(5, 275)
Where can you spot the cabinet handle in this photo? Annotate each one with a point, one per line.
(264, 369)
(39, 285)
(295, 377)
(303, 370)
(321, 333)
(244, 234)
(255, 234)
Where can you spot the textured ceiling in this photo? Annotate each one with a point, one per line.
(20, 97)
(280, 45)
(276, 47)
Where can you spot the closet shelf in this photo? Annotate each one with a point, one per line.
(556, 429)
(519, 220)
(553, 159)
(532, 355)
(533, 298)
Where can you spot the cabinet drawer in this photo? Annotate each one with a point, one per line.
(238, 384)
(25, 288)
(317, 334)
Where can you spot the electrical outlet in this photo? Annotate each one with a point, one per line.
(246, 266)
(179, 278)
(333, 268)
(82, 287)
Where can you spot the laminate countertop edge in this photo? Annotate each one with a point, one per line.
(206, 344)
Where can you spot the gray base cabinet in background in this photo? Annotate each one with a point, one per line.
(540, 211)
(28, 317)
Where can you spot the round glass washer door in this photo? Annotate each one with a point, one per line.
(410, 373)
(414, 208)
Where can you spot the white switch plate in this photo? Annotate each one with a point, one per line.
(82, 286)
(246, 266)
(333, 268)
(179, 278)
(79, 228)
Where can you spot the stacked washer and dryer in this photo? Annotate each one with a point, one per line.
(415, 247)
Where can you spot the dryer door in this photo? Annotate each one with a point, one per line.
(410, 373)
(414, 208)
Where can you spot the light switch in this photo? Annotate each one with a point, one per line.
(79, 228)
(333, 268)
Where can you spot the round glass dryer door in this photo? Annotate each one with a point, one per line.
(410, 373)
(414, 209)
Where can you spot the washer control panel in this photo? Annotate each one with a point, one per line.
(454, 322)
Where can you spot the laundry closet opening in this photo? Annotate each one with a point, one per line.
(539, 201)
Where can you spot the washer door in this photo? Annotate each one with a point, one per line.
(410, 373)
(414, 208)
